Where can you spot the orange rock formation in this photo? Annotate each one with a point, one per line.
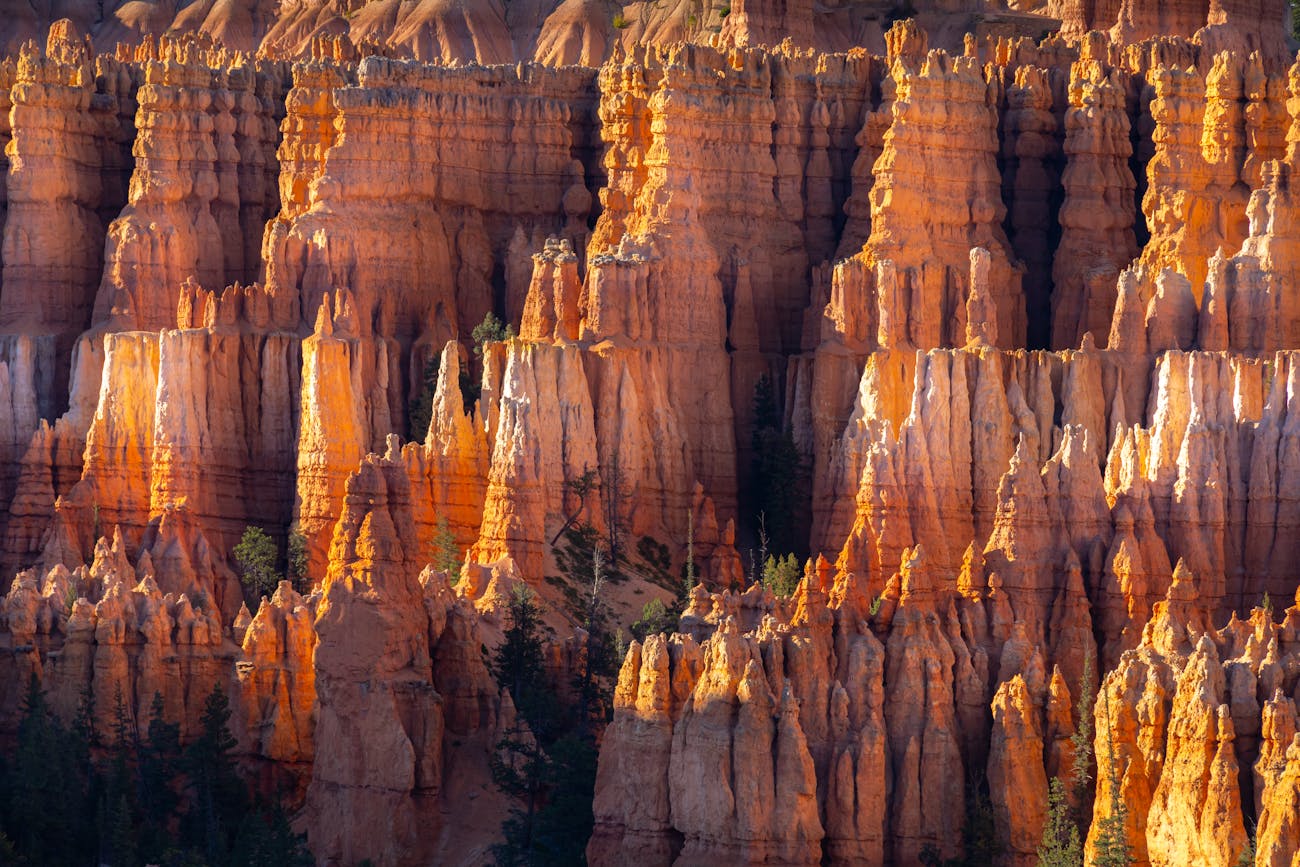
(1024, 311)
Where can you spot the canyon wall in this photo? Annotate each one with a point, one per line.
(1019, 310)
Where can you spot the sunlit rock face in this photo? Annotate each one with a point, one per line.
(995, 329)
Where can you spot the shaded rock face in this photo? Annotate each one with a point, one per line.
(1024, 310)
(400, 684)
(567, 32)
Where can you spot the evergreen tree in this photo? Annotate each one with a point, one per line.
(581, 487)
(777, 470)
(446, 554)
(1111, 848)
(1247, 856)
(517, 662)
(490, 330)
(116, 810)
(296, 560)
(256, 555)
(689, 579)
(601, 661)
(655, 618)
(43, 790)
(519, 769)
(266, 840)
(219, 796)
(1061, 846)
(419, 413)
(782, 576)
(551, 822)
(159, 768)
(1063, 832)
(563, 825)
(978, 833)
(615, 497)
(1081, 740)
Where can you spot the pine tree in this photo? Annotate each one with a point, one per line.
(1247, 856)
(601, 660)
(782, 575)
(419, 413)
(490, 330)
(43, 790)
(256, 555)
(689, 581)
(517, 662)
(777, 469)
(1061, 846)
(563, 825)
(266, 840)
(159, 768)
(1111, 848)
(615, 498)
(117, 812)
(1081, 740)
(519, 769)
(296, 559)
(655, 618)
(219, 794)
(446, 556)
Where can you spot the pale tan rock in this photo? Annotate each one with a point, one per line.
(919, 714)
(344, 414)
(277, 683)
(1017, 781)
(1276, 838)
(929, 243)
(1195, 810)
(375, 782)
(545, 437)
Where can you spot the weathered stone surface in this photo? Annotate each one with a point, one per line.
(283, 275)
(395, 673)
(1097, 215)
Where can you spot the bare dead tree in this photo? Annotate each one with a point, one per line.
(581, 487)
(614, 499)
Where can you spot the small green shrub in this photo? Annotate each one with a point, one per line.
(781, 575)
(655, 618)
(490, 330)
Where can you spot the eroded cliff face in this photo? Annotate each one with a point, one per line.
(874, 773)
(1022, 311)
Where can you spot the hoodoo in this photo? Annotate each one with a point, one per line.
(466, 433)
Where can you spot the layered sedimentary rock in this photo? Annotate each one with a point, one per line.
(929, 245)
(1032, 158)
(289, 286)
(1097, 240)
(444, 205)
(385, 649)
(62, 148)
(1201, 702)
(1200, 175)
(1244, 26)
(1178, 722)
(183, 220)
